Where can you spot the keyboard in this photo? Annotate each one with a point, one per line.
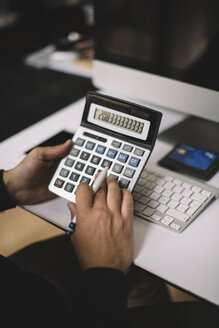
(170, 199)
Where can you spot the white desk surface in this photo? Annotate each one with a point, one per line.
(189, 260)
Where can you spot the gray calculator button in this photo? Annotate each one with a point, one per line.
(105, 163)
(85, 155)
(64, 173)
(113, 176)
(69, 162)
(74, 152)
(90, 170)
(79, 166)
(69, 187)
(117, 168)
(127, 148)
(139, 152)
(116, 144)
(129, 172)
(123, 183)
(58, 183)
(79, 142)
(85, 179)
(95, 160)
(74, 176)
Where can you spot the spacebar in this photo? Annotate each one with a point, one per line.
(177, 214)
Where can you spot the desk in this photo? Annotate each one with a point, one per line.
(189, 260)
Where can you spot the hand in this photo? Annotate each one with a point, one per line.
(28, 182)
(104, 232)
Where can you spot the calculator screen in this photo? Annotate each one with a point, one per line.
(118, 121)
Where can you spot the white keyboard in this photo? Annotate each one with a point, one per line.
(170, 199)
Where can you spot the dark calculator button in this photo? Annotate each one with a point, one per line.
(134, 161)
(74, 152)
(113, 176)
(58, 183)
(85, 179)
(74, 177)
(127, 148)
(95, 160)
(64, 173)
(116, 144)
(85, 155)
(139, 152)
(117, 168)
(105, 163)
(79, 142)
(111, 153)
(129, 172)
(69, 187)
(122, 157)
(90, 170)
(79, 166)
(90, 145)
(100, 149)
(123, 183)
(69, 162)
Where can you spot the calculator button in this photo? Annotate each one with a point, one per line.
(139, 152)
(105, 163)
(79, 142)
(113, 176)
(79, 166)
(90, 145)
(74, 152)
(117, 168)
(64, 173)
(100, 149)
(85, 179)
(95, 160)
(85, 155)
(69, 162)
(111, 153)
(129, 172)
(74, 177)
(127, 148)
(116, 144)
(69, 187)
(90, 170)
(134, 161)
(59, 183)
(123, 183)
(122, 157)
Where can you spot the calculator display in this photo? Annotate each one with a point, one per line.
(119, 122)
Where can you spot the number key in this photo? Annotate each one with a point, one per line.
(105, 163)
(79, 166)
(90, 170)
(95, 160)
(85, 155)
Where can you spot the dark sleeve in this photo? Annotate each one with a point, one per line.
(5, 201)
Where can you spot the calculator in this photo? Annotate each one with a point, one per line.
(113, 133)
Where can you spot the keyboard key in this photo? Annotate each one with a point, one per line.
(175, 226)
(111, 153)
(148, 211)
(154, 195)
(58, 183)
(162, 208)
(182, 207)
(166, 220)
(117, 168)
(74, 177)
(164, 200)
(74, 152)
(129, 172)
(90, 145)
(127, 148)
(139, 152)
(105, 163)
(185, 200)
(134, 161)
(116, 144)
(64, 173)
(85, 155)
(206, 193)
(100, 149)
(153, 203)
(69, 187)
(177, 197)
(196, 189)
(173, 203)
(139, 207)
(69, 162)
(122, 157)
(79, 166)
(143, 199)
(79, 142)
(95, 160)
(192, 210)
(123, 183)
(90, 170)
(85, 179)
(187, 192)
(156, 217)
(177, 214)
(199, 197)
(167, 193)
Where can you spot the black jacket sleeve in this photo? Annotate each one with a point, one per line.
(5, 201)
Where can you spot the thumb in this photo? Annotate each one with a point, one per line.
(55, 152)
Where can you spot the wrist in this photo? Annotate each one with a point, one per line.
(8, 184)
(6, 200)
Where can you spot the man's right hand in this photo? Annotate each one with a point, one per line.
(104, 231)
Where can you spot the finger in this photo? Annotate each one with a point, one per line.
(84, 197)
(54, 152)
(113, 195)
(72, 208)
(100, 197)
(127, 205)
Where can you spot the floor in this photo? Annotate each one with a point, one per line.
(19, 228)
